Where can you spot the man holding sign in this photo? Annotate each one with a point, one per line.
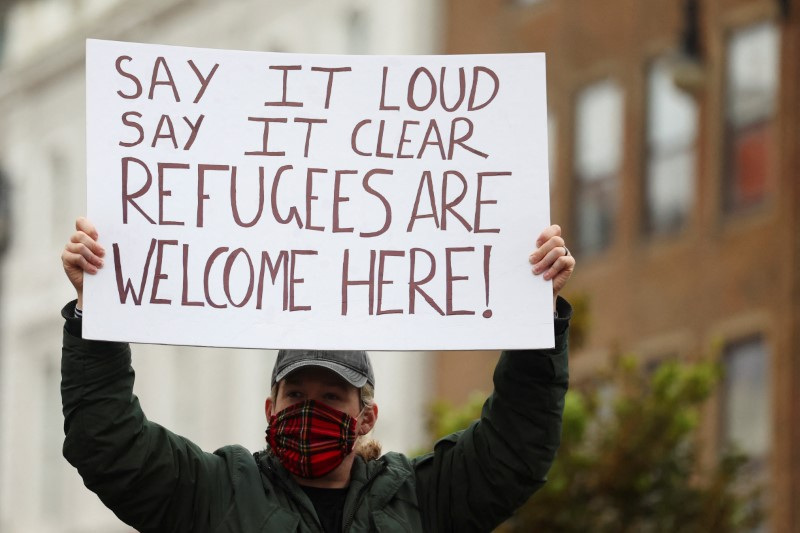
(328, 203)
(311, 477)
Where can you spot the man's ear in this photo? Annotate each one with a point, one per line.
(368, 419)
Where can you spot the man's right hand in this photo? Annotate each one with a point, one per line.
(82, 254)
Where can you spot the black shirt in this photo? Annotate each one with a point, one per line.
(329, 504)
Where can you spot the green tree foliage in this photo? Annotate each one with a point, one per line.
(629, 459)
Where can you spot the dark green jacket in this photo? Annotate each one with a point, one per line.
(155, 480)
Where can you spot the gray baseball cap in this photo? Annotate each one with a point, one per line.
(354, 366)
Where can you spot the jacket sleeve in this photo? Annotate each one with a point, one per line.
(151, 478)
(477, 478)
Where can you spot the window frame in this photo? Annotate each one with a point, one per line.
(648, 226)
(602, 185)
(725, 440)
(730, 206)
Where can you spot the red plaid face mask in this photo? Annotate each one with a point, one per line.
(310, 438)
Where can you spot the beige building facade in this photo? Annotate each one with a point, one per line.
(214, 397)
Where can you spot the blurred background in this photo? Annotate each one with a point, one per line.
(674, 148)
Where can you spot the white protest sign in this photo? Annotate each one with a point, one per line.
(253, 199)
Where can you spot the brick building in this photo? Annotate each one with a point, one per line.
(675, 141)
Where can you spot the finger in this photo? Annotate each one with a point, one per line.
(75, 259)
(544, 249)
(548, 233)
(83, 224)
(551, 257)
(89, 242)
(85, 252)
(565, 263)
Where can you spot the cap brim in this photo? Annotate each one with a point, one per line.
(354, 378)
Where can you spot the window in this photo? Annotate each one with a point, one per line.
(598, 156)
(752, 86)
(670, 167)
(746, 416)
(357, 32)
(3, 31)
(60, 189)
(5, 212)
(52, 467)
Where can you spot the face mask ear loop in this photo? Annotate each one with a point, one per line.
(358, 416)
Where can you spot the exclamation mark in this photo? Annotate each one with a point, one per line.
(487, 252)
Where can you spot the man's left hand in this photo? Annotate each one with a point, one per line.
(552, 259)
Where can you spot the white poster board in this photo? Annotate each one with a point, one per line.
(255, 199)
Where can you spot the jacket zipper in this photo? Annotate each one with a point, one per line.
(361, 492)
(291, 494)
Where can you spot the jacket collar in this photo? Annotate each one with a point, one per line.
(379, 479)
